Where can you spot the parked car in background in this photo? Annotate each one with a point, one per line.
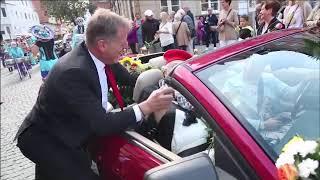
(252, 98)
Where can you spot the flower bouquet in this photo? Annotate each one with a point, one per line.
(299, 160)
(135, 68)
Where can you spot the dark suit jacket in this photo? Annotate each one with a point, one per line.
(210, 20)
(69, 107)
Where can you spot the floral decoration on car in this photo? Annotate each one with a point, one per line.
(299, 160)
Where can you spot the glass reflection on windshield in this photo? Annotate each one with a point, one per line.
(276, 93)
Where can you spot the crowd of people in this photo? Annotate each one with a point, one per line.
(227, 27)
(182, 30)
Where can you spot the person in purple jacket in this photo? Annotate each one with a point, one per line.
(132, 38)
(200, 30)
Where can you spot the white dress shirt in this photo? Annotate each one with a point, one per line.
(104, 87)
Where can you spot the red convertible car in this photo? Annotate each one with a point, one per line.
(246, 102)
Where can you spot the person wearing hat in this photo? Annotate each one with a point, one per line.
(44, 45)
(149, 28)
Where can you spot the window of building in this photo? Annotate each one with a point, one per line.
(2, 32)
(205, 4)
(46, 13)
(17, 14)
(243, 7)
(3, 10)
(170, 5)
(252, 3)
(25, 15)
(164, 5)
(8, 30)
(29, 16)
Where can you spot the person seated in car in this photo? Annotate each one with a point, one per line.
(259, 94)
(177, 128)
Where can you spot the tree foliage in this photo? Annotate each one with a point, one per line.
(65, 10)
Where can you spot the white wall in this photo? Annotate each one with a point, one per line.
(20, 16)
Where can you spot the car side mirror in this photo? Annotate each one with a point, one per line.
(197, 166)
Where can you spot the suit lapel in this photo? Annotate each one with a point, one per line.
(89, 66)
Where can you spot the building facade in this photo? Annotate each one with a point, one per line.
(17, 17)
(198, 7)
(45, 19)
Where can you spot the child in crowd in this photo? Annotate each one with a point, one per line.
(245, 31)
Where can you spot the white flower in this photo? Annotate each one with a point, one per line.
(307, 167)
(285, 158)
(294, 148)
(308, 147)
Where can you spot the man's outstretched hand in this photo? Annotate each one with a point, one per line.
(159, 99)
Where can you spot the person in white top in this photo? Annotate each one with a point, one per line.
(293, 15)
(314, 17)
(165, 32)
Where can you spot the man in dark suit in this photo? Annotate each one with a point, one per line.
(211, 20)
(70, 110)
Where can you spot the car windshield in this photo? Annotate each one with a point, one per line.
(273, 90)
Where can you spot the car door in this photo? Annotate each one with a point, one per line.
(236, 152)
(129, 156)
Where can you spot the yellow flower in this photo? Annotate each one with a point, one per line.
(126, 60)
(294, 140)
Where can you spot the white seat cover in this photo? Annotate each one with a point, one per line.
(186, 137)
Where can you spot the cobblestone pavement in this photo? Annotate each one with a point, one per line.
(18, 98)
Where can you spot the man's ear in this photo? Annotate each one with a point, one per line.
(101, 45)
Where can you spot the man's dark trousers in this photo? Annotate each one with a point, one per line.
(64, 163)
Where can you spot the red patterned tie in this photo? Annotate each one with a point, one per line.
(112, 82)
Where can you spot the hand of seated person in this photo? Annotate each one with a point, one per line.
(271, 124)
(277, 121)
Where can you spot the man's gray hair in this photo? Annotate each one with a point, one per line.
(104, 24)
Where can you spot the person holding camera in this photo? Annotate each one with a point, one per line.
(228, 21)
